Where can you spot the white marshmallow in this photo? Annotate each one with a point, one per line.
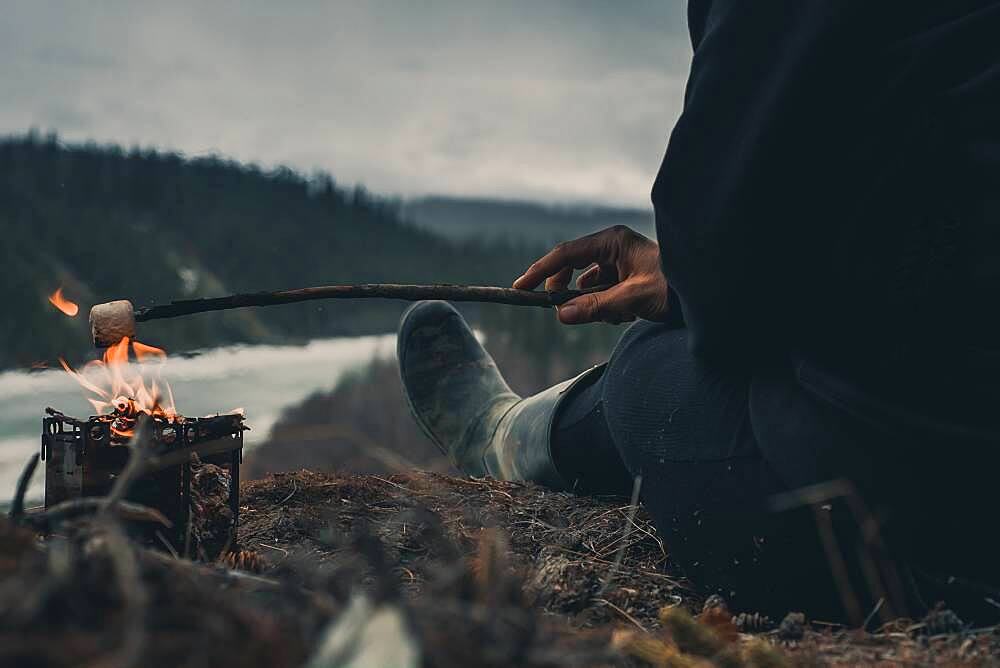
(110, 322)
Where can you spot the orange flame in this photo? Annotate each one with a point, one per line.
(120, 389)
(63, 304)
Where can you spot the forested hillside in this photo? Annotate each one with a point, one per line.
(110, 223)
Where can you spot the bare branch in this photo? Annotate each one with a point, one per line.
(139, 454)
(17, 507)
(73, 508)
(454, 293)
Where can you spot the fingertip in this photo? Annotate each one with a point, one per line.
(558, 281)
(569, 314)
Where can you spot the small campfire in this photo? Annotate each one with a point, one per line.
(191, 477)
(190, 466)
(121, 391)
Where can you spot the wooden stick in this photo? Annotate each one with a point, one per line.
(454, 293)
(17, 507)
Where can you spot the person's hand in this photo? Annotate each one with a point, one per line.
(617, 256)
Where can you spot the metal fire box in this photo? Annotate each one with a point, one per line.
(83, 458)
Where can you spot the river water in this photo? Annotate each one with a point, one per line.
(261, 379)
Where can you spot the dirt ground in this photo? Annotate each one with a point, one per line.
(415, 569)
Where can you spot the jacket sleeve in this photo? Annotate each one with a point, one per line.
(758, 162)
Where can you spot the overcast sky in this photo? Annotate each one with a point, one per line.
(562, 100)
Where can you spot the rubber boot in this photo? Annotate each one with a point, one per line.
(464, 405)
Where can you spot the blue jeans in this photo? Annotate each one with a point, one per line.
(686, 428)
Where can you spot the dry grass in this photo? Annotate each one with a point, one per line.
(562, 545)
(481, 572)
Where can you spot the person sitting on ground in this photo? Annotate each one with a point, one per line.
(816, 325)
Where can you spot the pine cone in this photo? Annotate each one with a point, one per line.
(714, 601)
(942, 620)
(793, 626)
(245, 560)
(753, 622)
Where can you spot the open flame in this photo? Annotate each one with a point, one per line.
(119, 388)
(63, 304)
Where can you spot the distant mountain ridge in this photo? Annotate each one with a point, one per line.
(484, 219)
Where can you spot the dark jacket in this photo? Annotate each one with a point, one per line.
(828, 210)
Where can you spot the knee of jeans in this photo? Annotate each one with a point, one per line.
(631, 372)
(641, 343)
(634, 337)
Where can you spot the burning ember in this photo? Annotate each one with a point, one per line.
(119, 390)
(63, 304)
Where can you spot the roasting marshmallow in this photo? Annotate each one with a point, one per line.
(110, 322)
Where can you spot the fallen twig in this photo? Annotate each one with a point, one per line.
(74, 508)
(17, 506)
(634, 504)
(139, 453)
(621, 612)
(871, 615)
(134, 597)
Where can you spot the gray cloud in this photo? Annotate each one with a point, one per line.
(558, 99)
